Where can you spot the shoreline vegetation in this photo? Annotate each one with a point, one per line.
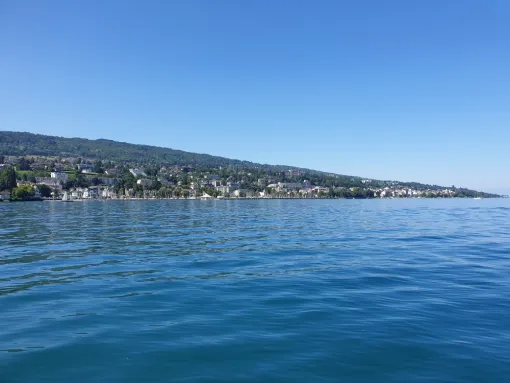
(38, 167)
(222, 199)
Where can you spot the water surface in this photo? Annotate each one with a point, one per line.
(255, 291)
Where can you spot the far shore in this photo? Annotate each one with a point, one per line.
(223, 199)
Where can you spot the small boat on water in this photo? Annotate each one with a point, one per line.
(477, 198)
(66, 198)
(205, 197)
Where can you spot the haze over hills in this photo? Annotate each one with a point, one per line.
(20, 144)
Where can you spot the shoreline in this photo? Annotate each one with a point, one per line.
(237, 199)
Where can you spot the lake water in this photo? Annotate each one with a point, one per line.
(255, 291)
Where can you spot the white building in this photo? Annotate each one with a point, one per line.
(293, 173)
(107, 193)
(286, 186)
(224, 189)
(77, 193)
(90, 193)
(246, 193)
(84, 167)
(59, 176)
(145, 182)
(206, 196)
(137, 172)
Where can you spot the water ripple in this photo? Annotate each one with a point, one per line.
(271, 290)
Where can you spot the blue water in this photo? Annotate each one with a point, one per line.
(255, 291)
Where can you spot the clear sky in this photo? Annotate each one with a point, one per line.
(413, 90)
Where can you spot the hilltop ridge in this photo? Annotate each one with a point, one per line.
(29, 144)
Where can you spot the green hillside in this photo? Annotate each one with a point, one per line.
(29, 144)
(120, 154)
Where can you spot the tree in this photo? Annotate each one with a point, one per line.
(108, 165)
(81, 182)
(23, 192)
(2, 159)
(151, 171)
(3, 180)
(98, 167)
(24, 164)
(69, 184)
(10, 178)
(164, 192)
(45, 190)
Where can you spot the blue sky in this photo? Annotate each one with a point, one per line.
(397, 89)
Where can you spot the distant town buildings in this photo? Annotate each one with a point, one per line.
(112, 172)
(85, 168)
(177, 181)
(59, 176)
(145, 182)
(136, 172)
(101, 180)
(53, 183)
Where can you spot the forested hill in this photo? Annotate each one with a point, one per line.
(121, 154)
(29, 144)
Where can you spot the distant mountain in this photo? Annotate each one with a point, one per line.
(25, 144)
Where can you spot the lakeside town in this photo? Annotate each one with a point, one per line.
(78, 179)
